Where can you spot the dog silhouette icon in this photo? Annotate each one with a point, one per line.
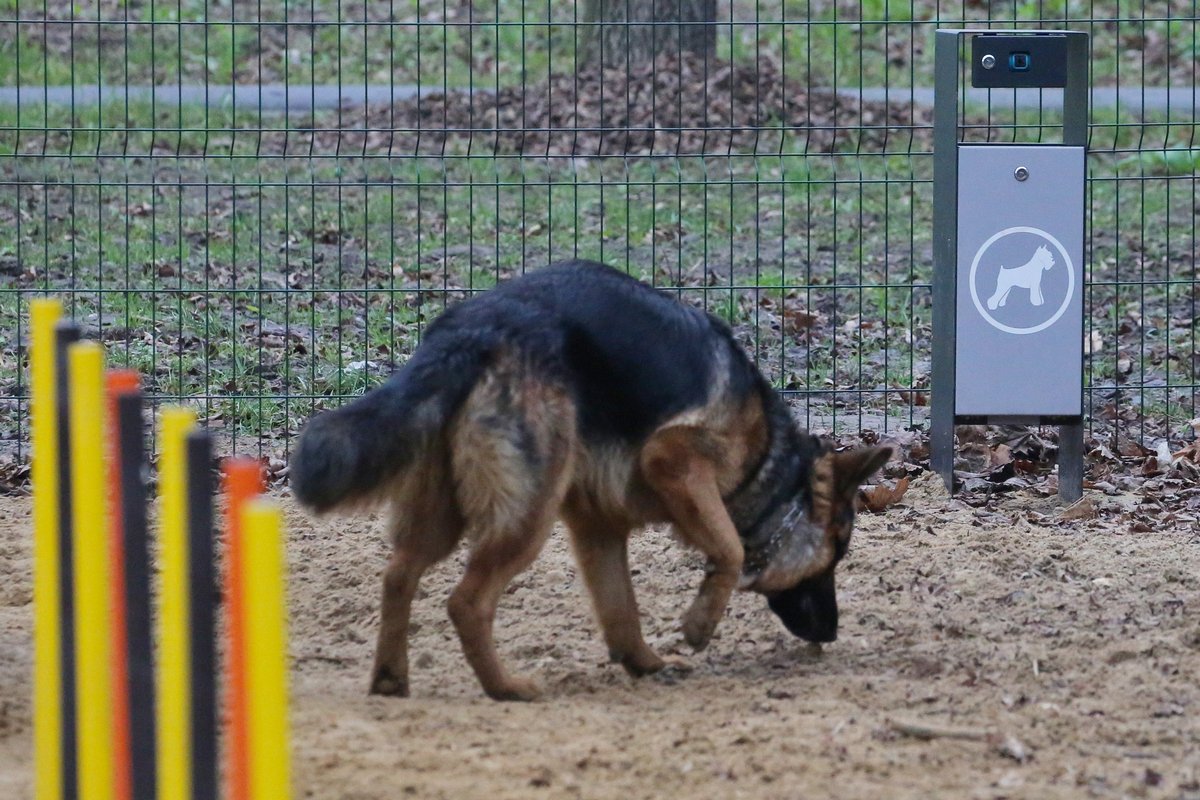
(1027, 276)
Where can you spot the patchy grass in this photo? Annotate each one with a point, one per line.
(431, 43)
(263, 289)
(264, 267)
(265, 296)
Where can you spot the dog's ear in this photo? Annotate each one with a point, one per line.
(851, 468)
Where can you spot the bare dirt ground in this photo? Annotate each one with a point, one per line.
(1047, 658)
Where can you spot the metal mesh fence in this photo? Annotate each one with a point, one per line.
(261, 204)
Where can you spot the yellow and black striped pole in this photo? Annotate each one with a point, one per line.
(93, 612)
(174, 676)
(187, 704)
(47, 598)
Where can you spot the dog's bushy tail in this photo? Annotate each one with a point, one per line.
(346, 455)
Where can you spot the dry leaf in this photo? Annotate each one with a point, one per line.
(798, 318)
(1080, 509)
(1093, 344)
(1133, 449)
(878, 498)
(1000, 455)
(1188, 453)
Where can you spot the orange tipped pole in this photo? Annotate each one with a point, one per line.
(265, 602)
(243, 482)
(117, 384)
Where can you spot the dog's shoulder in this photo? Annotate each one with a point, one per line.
(639, 355)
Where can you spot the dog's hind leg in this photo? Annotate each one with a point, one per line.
(426, 526)
(512, 453)
(602, 551)
(684, 477)
(492, 565)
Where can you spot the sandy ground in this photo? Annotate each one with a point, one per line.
(1067, 654)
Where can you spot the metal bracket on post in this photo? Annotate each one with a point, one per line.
(1008, 251)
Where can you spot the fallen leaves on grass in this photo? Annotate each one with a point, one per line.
(679, 103)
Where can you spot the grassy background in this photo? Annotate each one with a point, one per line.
(264, 267)
(461, 44)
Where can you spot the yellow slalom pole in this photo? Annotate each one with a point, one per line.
(265, 605)
(174, 668)
(47, 652)
(93, 614)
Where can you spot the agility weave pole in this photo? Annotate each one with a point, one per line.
(107, 725)
(243, 482)
(50, 756)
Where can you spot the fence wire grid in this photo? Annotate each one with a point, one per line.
(260, 205)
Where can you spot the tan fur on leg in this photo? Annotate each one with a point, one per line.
(602, 552)
(426, 526)
(473, 610)
(675, 465)
(512, 456)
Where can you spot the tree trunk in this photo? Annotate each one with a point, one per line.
(624, 35)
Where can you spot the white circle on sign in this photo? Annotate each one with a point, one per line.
(1062, 251)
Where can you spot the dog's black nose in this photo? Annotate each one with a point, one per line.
(809, 609)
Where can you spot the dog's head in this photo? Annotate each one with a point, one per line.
(1043, 257)
(812, 537)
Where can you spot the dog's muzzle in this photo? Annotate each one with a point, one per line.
(809, 609)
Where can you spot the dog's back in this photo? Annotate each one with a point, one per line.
(624, 356)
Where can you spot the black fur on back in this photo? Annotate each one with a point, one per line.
(630, 356)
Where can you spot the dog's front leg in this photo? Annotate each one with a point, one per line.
(1035, 293)
(685, 479)
(601, 549)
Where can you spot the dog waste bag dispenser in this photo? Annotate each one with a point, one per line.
(1008, 282)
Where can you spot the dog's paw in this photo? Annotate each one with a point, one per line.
(674, 669)
(698, 627)
(651, 663)
(518, 688)
(638, 664)
(387, 684)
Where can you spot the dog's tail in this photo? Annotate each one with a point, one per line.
(345, 456)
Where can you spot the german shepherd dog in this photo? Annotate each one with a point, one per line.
(577, 392)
